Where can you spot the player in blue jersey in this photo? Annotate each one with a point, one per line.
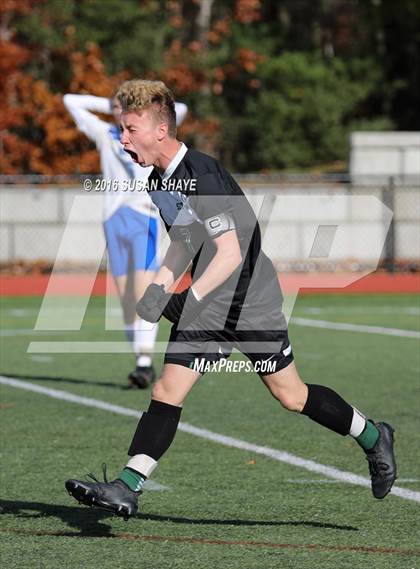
(130, 222)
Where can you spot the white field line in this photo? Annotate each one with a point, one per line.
(354, 327)
(29, 332)
(278, 455)
(42, 359)
(384, 309)
(101, 347)
(330, 481)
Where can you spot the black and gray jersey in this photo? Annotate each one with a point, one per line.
(199, 202)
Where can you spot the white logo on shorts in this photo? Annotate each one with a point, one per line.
(288, 350)
(270, 358)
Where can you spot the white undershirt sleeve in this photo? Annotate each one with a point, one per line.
(82, 109)
(181, 111)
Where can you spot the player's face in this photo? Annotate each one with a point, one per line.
(140, 136)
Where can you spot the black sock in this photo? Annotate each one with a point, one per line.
(155, 430)
(326, 407)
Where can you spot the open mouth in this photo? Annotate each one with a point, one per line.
(133, 155)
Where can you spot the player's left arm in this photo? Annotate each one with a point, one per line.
(227, 259)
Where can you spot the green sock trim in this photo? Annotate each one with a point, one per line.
(368, 438)
(133, 479)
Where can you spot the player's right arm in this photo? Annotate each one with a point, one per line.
(83, 108)
(175, 263)
(156, 297)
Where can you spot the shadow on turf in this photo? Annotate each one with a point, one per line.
(66, 380)
(90, 521)
(205, 521)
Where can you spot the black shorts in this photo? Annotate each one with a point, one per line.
(268, 349)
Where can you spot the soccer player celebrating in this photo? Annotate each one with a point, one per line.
(130, 222)
(234, 301)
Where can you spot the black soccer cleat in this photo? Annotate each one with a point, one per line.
(382, 466)
(142, 377)
(115, 496)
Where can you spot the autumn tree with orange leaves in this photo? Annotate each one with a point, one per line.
(37, 135)
(269, 84)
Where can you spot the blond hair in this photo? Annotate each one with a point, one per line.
(138, 94)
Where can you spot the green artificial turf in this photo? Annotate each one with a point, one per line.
(222, 507)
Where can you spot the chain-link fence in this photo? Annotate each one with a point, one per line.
(308, 222)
